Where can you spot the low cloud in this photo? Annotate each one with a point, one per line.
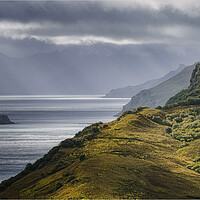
(133, 22)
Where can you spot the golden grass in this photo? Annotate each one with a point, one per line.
(133, 157)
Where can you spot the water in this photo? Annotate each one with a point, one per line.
(43, 121)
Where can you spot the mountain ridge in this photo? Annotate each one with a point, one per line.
(79, 69)
(158, 95)
(130, 91)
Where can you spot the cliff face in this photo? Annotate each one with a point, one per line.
(5, 120)
(195, 79)
(190, 96)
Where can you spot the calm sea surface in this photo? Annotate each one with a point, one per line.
(43, 121)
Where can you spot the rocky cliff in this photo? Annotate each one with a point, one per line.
(190, 96)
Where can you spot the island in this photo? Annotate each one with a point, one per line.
(5, 120)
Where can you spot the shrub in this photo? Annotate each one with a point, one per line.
(82, 157)
(197, 159)
(159, 107)
(168, 130)
(178, 119)
(29, 167)
(58, 185)
(95, 129)
(125, 113)
(70, 143)
(105, 126)
(89, 132)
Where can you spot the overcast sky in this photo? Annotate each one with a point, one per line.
(47, 25)
(136, 40)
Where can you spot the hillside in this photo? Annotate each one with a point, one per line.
(130, 91)
(137, 155)
(190, 96)
(159, 94)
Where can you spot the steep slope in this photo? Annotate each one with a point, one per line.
(161, 93)
(190, 96)
(130, 91)
(131, 157)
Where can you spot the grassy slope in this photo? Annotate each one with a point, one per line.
(132, 157)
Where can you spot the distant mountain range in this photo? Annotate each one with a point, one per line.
(159, 94)
(130, 91)
(83, 69)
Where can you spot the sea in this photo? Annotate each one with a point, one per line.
(42, 122)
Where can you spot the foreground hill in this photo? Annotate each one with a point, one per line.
(135, 156)
(159, 94)
(130, 91)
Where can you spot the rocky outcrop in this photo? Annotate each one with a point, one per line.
(190, 96)
(5, 120)
(195, 79)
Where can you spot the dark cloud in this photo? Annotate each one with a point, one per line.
(133, 38)
(98, 19)
(75, 12)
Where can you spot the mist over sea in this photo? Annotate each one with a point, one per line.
(43, 121)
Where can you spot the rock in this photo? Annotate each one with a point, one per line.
(5, 120)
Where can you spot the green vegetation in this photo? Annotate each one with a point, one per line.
(185, 125)
(136, 156)
(89, 132)
(86, 134)
(184, 98)
(134, 111)
(190, 96)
